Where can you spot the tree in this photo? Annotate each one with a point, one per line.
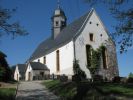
(5, 71)
(8, 28)
(122, 11)
(78, 72)
(130, 75)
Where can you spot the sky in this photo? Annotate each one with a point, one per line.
(35, 17)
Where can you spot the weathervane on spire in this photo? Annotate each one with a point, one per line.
(58, 3)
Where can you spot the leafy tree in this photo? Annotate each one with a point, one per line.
(77, 70)
(130, 75)
(122, 11)
(8, 28)
(5, 71)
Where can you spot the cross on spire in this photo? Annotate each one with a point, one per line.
(58, 3)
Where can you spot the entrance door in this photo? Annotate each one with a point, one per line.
(29, 76)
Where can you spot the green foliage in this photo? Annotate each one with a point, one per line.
(77, 70)
(95, 59)
(116, 89)
(13, 29)
(66, 91)
(5, 71)
(7, 93)
(130, 75)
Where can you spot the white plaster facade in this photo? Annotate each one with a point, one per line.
(30, 73)
(83, 39)
(66, 60)
(16, 74)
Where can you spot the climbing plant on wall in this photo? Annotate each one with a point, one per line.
(94, 59)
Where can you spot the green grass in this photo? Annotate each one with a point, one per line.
(64, 90)
(117, 89)
(7, 93)
(87, 90)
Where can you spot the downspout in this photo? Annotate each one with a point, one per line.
(74, 49)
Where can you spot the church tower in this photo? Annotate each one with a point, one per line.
(58, 21)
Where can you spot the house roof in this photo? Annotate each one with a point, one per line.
(38, 66)
(65, 36)
(22, 68)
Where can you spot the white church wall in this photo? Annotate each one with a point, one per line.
(94, 26)
(29, 69)
(66, 59)
(16, 74)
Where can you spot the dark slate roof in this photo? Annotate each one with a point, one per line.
(65, 36)
(22, 68)
(13, 69)
(38, 66)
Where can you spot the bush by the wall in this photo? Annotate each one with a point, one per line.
(116, 79)
(98, 78)
(63, 78)
(130, 80)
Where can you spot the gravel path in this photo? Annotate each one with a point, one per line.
(33, 90)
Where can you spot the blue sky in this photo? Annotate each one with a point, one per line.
(35, 16)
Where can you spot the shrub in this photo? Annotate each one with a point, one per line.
(76, 78)
(63, 78)
(130, 80)
(78, 73)
(116, 79)
(123, 80)
(98, 78)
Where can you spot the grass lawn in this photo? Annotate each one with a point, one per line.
(7, 93)
(64, 90)
(117, 89)
(87, 91)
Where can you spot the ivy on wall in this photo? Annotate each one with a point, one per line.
(77, 70)
(94, 59)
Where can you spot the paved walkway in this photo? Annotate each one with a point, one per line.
(34, 91)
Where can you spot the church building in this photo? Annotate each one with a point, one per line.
(72, 41)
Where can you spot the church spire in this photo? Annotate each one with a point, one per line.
(58, 3)
(58, 20)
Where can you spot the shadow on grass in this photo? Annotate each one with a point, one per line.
(7, 93)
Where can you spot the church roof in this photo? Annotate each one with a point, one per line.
(38, 66)
(65, 36)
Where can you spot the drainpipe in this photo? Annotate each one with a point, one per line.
(74, 49)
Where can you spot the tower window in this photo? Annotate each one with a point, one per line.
(57, 61)
(91, 37)
(44, 60)
(57, 23)
(38, 60)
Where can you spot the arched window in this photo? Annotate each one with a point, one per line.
(104, 57)
(57, 61)
(88, 55)
(91, 37)
(44, 60)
